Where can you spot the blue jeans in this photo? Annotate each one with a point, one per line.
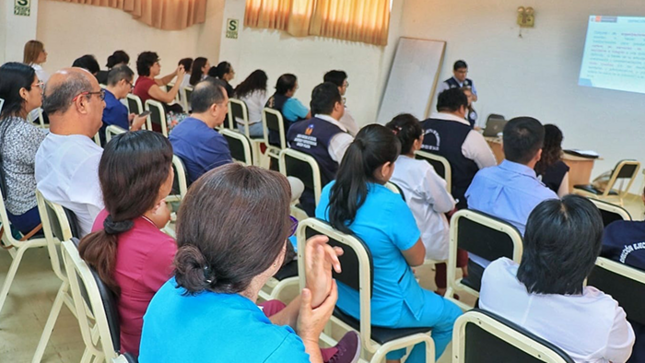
(438, 313)
(26, 221)
(256, 130)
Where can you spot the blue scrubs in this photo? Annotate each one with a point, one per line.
(386, 224)
(212, 327)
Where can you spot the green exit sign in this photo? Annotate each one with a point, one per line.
(22, 7)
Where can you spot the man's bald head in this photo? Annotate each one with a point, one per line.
(63, 86)
(206, 93)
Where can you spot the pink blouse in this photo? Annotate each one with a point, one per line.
(143, 263)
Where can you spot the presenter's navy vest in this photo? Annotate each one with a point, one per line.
(452, 82)
(312, 137)
(445, 138)
(276, 102)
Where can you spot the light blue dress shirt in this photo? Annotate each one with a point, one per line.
(509, 191)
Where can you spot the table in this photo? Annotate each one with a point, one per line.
(579, 167)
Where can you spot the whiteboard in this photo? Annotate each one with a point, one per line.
(413, 79)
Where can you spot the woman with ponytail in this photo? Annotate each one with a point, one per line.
(127, 249)
(358, 203)
(119, 57)
(425, 193)
(232, 230)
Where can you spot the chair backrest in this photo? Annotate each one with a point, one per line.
(239, 145)
(486, 236)
(238, 112)
(440, 164)
(624, 283)
(187, 92)
(304, 167)
(92, 298)
(483, 337)
(134, 104)
(112, 130)
(157, 115)
(611, 212)
(179, 183)
(273, 121)
(625, 169)
(357, 263)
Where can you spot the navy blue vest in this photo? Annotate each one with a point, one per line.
(312, 137)
(445, 138)
(452, 82)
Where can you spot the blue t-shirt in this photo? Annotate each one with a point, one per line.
(293, 110)
(114, 113)
(199, 147)
(212, 327)
(386, 224)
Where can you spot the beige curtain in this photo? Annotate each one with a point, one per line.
(161, 14)
(357, 20)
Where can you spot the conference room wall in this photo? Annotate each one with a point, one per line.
(536, 74)
(309, 58)
(15, 31)
(71, 30)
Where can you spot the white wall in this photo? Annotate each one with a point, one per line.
(537, 74)
(309, 58)
(72, 30)
(15, 31)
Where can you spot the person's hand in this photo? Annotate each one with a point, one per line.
(180, 72)
(131, 117)
(137, 122)
(311, 321)
(319, 260)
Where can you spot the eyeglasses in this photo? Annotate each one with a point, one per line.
(100, 93)
(131, 84)
(294, 226)
(38, 84)
(346, 84)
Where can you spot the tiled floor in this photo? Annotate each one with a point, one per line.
(31, 297)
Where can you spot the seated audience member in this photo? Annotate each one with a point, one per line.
(253, 91)
(358, 203)
(339, 78)
(119, 57)
(553, 172)
(194, 140)
(471, 114)
(34, 56)
(207, 311)
(511, 189)
(322, 137)
(622, 242)
(127, 249)
(425, 193)
(224, 71)
(187, 63)
(546, 292)
(448, 134)
(67, 160)
(148, 87)
(89, 63)
(459, 80)
(21, 91)
(291, 108)
(119, 84)
(198, 70)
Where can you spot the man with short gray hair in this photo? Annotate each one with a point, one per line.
(67, 160)
(194, 140)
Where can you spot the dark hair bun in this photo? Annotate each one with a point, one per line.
(192, 271)
(112, 227)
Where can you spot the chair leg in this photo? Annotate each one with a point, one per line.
(10, 276)
(51, 321)
(87, 356)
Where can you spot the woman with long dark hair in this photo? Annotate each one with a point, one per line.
(357, 202)
(546, 292)
(207, 311)
(22, 92)
(199, 70)
(550, 168)
(253, 91)
(224, 71)
(131, 255)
